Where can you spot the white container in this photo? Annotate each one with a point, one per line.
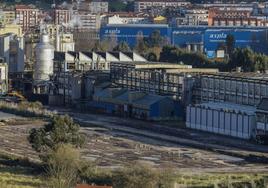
(44, 59)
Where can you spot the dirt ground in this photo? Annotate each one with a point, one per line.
(111, 148)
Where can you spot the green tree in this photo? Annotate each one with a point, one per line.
(244, 58)
(122, 47)
(117, 6)
(62, 166)
(173, 54)
(169, 54)
(155, 39)
(61, 130)
(130, 6)
(230, 44)
(260, 63)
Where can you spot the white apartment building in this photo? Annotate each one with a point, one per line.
(144, 5)
(193, 17)
(93, 6)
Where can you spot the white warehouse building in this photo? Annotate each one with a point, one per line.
(222, 118)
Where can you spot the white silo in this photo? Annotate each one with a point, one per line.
(44, 59)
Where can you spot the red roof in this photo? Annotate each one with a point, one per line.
(24, 7)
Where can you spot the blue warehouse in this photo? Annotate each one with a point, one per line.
(130, 32)
(211, 38)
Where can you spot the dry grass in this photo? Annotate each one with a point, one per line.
(224, 180)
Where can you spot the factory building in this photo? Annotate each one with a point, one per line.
(70, 88)
(196, 38)
(3, 77)
(262, 120)
(222, 118)
(151, 78)
(238, 88)
(130, 32)
(233, 104)
(84, 61)
(12, 50)
(135, 104)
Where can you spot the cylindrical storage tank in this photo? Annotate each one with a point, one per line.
(44, 59)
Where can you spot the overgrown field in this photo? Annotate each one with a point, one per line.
(222, 180)
(18, 173)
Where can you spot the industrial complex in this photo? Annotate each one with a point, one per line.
(172, 85)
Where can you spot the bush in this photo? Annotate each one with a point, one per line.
(135, 176)
(62, 166)
(91, 174)
(26, 109)
(61, 130)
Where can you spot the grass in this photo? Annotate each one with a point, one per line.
(13, 177)
(18, 173)
(26, 109)
(218, 180)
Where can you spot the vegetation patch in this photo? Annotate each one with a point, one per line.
(18, 173)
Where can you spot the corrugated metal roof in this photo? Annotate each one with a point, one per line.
(122, 96)
(251, 110)
(149, 100)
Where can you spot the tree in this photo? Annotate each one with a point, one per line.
(122, 47)
(62, 166)
(242, 57)
(169, 54)
(130, 6)
(230, 44)
(61, 130)
(140, 47)
(117, 6)
(97, 46)
(155, 39)
(260, 63)
(143, 177)
(173, 54)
